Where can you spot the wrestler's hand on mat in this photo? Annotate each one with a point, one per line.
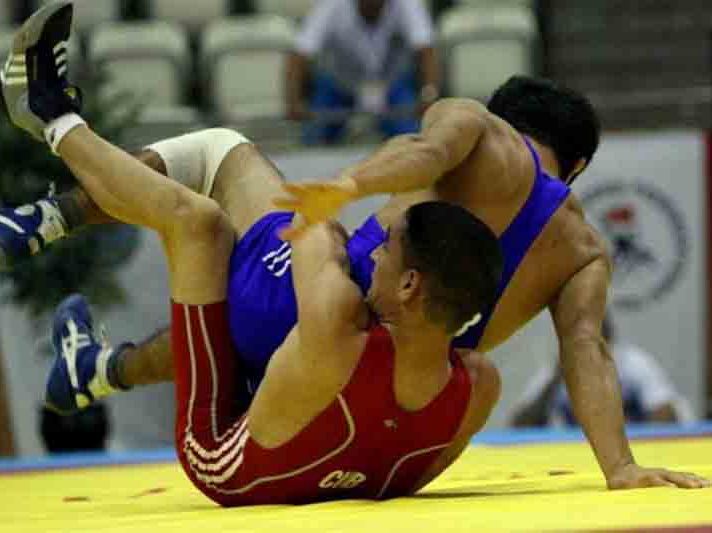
(316, 202)
(633, 476)
(34, 77)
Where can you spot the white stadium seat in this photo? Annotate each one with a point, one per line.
(151, 60)
(193, 14)
(243, 58)
(295, 9)
(484, 46)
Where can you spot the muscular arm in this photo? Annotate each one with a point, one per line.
(588, 367)
(451, 130)
(330, 305)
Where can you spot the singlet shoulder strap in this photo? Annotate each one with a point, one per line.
(535, 155)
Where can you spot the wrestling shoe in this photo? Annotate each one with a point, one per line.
(28, 229)
(80, 373)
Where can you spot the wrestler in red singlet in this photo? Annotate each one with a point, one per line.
(363, 445)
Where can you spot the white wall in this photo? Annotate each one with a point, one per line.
(671, 327)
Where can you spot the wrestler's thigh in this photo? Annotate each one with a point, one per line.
(198, 247)
(246, 185)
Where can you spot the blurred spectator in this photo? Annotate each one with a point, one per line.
(368, 55)
(648, 393)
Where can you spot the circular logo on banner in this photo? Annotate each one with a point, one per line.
(647, 237)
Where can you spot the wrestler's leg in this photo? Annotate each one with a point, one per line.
(219, 163)
(198, 239)
(238, 177)
(196, 234)
(194, 160)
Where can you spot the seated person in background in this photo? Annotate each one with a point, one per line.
(371, 55)
(648, 393)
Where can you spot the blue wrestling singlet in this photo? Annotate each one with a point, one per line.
(262, 306)
(261, 300)
(545, 198)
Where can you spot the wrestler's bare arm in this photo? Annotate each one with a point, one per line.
(330, 305)
(588, 366)
(451, 130)
(592, 381)
(307, 370)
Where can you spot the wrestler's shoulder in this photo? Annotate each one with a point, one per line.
(585, 244)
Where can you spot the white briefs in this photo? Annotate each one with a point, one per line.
(195, 158)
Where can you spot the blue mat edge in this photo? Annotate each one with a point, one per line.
(504, 437)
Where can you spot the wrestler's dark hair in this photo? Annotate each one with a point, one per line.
(460, 260)
(553, 115)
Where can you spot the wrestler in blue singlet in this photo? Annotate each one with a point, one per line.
(263, 308)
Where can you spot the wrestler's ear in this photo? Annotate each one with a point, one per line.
(410, 285)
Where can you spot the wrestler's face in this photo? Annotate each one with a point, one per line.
(383, 296)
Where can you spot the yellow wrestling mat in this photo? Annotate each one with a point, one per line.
(552, 486)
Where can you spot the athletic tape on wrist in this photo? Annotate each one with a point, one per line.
(59, 128)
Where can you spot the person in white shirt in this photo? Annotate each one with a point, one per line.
(648, 393)
(375, 56)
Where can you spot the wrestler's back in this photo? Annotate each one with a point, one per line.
(566, 244)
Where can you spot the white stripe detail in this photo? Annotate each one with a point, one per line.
(235, 456)
(61, 45)
(238, 425)
(275, 252)
(9, 222)
(193, 372)
(61, 58)
(235, 431)
(193, 449)
(17, 69)
(15, 81)
(301, 470)
(71, 344)
(220, 454)
(403, 460)
(214, 480)
(213, 375)
(225, 447)
(62, 70)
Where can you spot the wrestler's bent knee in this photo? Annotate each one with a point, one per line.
(200, 217)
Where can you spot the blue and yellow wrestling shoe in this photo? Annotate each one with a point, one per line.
(80, 374)
(28, 229)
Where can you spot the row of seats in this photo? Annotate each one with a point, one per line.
(89, 13)
(239, 63)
